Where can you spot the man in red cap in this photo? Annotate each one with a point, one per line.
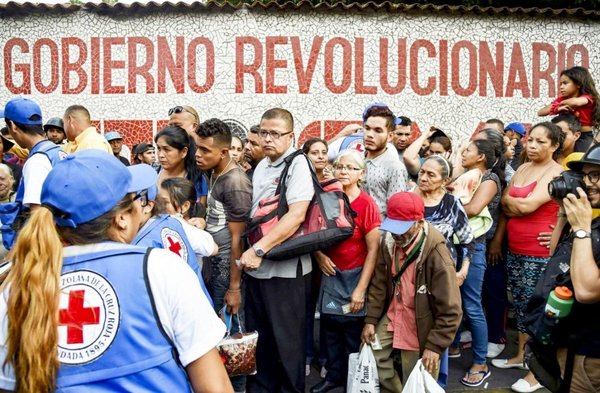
(413, 301)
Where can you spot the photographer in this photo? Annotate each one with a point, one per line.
(575, 338)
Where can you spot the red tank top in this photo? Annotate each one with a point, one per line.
(523, 231)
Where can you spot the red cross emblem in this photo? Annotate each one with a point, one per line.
(359, 147)
(174, 246)
(76, 316)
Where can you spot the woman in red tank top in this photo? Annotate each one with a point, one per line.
(530, 210)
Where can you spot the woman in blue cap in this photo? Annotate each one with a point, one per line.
(97, 314)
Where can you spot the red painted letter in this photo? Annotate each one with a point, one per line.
(456, 68)
(210, 65)
(304, 75)
(494, 69)
(76, 66)
(23, 68)
(242, 68)
(346, 65)
(110, 64)
(414, 67)
(384, 56)
(359, 69)
(52, 64)
(174, 65)
(537, 73)
(517, 77)
(273, 63)
(134, 70)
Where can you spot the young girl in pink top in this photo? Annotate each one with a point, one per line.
(578, 96)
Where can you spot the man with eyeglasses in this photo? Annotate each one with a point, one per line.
(185, 117)
(386, 174)
(576, 264)
(275, 290)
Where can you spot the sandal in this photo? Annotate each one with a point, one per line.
(484, 375)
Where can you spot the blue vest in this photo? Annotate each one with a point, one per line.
(110, 338)
(14, 211)
(164, 231)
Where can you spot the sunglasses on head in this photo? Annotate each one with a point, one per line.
(180, 109)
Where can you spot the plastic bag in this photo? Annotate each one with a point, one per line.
(420, 381)
(363, 377)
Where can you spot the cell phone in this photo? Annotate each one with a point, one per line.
(227, 317)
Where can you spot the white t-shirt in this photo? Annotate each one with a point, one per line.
(201, 241)
(35, 171)
(183, 310)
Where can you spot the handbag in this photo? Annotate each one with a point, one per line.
(329, 218)
(238, 351)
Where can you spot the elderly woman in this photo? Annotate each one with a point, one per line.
(72, 316)
(443, 210)
(347, 269)
(7, 182)
(531, 211)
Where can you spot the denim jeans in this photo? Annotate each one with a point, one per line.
(218, 286)
(342, 337)
(471, 302)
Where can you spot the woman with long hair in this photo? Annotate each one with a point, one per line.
(317, 149)
(84, 311)
(530, 210)
(176, 152)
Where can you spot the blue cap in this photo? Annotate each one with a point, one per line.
(89, 183)
(517, 127)
(112, 135)
(23, 111)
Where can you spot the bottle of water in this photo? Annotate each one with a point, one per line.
(559, 305)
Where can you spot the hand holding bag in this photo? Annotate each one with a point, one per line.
(363, 378)
(238, 351)
(420, 381)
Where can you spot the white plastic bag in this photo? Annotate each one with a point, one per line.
(420, 381)
(363, 377)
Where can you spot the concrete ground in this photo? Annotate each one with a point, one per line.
(499, 381)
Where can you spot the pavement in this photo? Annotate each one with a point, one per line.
(499, 381)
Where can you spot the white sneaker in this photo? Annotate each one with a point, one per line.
(465, 337)
(323, 372)
(317, 315)
(494, 350)
(307, 370)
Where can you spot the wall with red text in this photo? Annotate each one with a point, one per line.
(452, 71)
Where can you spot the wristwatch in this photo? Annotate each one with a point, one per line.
(258, 251)
(580, 234)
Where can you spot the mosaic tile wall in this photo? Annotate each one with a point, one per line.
(449, 71)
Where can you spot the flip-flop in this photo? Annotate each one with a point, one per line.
(485, 375)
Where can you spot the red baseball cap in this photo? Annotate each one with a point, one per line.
(403, 210)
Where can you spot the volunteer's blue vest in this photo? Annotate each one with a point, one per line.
(10, 211)
(110, 338)
(164, 231)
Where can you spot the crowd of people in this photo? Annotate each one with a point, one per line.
(119, 261)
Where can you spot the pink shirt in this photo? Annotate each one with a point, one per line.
(401, 313)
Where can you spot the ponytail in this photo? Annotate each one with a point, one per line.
(32, 305)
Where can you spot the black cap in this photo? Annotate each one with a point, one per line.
(592, 156)
(54, 122)
(142, 148)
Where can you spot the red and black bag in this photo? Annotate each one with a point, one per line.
(329, 218)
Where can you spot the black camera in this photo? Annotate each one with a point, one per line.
(567, 182)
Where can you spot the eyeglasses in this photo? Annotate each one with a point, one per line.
(273, 134)
(348, 168)
(143, 197)
(180, 109)
(593, 177)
